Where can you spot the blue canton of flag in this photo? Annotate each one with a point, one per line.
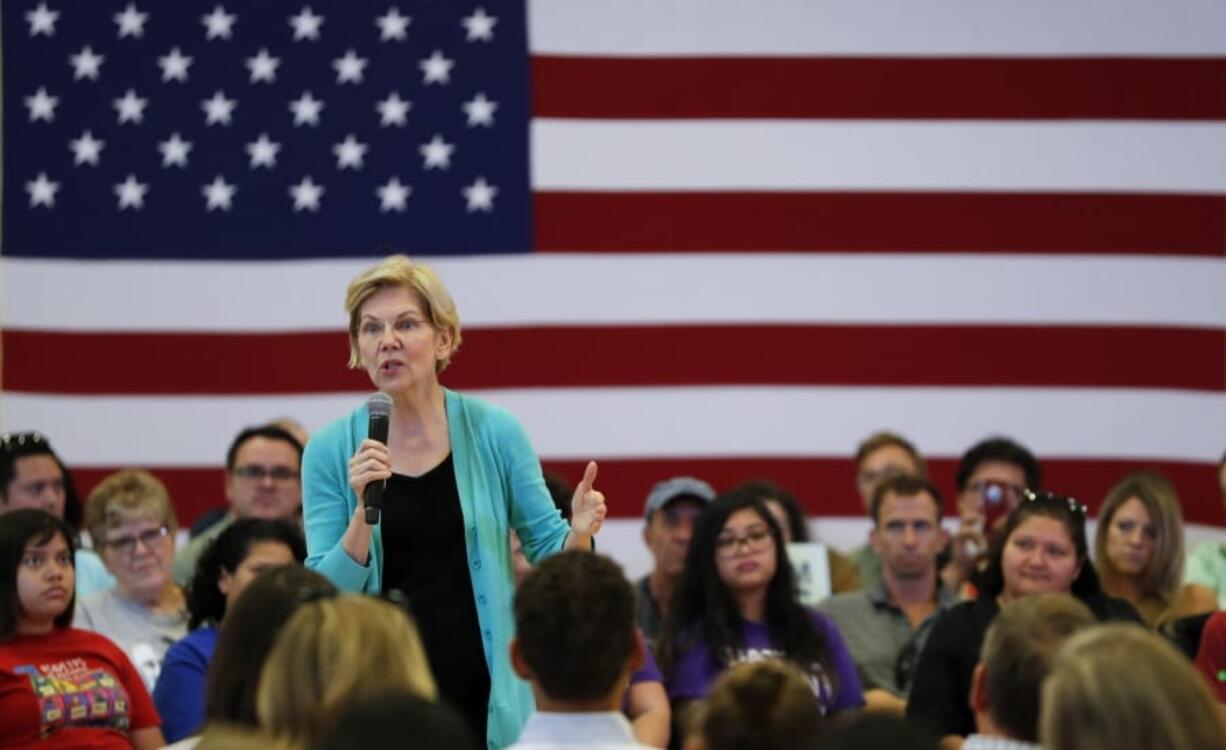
(240, 130)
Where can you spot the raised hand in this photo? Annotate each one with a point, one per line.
(587, 505)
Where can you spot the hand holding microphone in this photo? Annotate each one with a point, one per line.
(371, 466)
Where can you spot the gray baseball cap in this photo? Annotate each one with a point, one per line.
(665, 492)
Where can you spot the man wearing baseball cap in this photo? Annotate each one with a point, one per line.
(671, 509)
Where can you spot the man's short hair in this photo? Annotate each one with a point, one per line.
(269, 431)
(1017, 654)
(902, 485)
(574, 623)
(761, 705)
(1005, 451)
(885, 438)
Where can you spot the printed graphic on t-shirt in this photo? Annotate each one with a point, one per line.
(816, 676)
(70, 694)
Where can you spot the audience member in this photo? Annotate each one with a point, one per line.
(991, 477)
(389, 718)
(1207, 564)
(672, 507)
(132, 520)
(879, 457)
(335, 651)
(33, 476)
(1211, 656)
(1138, 550)
(263, 467)
(242, 551)
(251, 626)
(736, 601)
(59, 687)
(885, 626)
(876, 731)
(791, 519)
(1114, 687)
(1017, 654)
(763, 705)
(1042, 548)
(577, 644)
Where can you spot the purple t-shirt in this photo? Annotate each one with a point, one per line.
(698, 667)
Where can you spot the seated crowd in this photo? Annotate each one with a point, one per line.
(1011, 630)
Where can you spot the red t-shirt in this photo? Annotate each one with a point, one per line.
(1211, 659)
(70, 688)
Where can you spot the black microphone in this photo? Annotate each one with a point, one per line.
(380, 407)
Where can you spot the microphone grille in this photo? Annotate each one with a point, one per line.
(379, 404)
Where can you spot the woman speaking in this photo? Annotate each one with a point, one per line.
(460, 474)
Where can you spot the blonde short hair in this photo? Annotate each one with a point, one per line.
(1121, 687)
(400, 271)
(1163, 572)
(333, 651)
(125, 496)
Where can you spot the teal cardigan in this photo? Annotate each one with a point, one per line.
(500, 485)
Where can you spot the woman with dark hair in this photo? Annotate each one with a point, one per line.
(1042, 548)
(736, 601)
(242, 551)
(33, 476)
(59, 687)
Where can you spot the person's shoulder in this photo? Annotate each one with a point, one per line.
(849, 602)
(479, 411)
(1107, 608)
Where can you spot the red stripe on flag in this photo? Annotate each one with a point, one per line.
(830, 355)
(895, 88)
(823, 485)
(881, 222)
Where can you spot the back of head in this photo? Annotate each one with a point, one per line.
(763, 705)
(333, 651)
(1017, 654)
(389, 718)
(1121, 687)
(574, 626)
(247, 637)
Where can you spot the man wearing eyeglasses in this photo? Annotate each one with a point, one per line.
(991, 477)
(885, 625)
(263, 469)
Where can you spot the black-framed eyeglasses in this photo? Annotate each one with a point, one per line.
(754, 541)
(256, 473)
(127, 544)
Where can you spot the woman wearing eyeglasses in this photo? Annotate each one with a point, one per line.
(1042, 548)
(131, 519)
(59, 687)
(736, 602)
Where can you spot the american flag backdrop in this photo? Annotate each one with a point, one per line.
(702, 236)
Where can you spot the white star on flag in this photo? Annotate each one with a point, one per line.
(306, 109)
(42, 105)
(131, 193)
(42, 20)
(218, 194)
(393, 196)
(263, 66)
(306, 24)
(393, 110)
(131, 22)
(174, 151)
(392, 25)
(263, 152)
(436, 68)
(219, 24)
(218, 109)
(480, 196)
(86, 150)
(42, 191)
(480, 110)
(130, 107)
(306, 195)
(349, 68)
(349, 153)
(86, 64)
(437, 153)
(174, 66)
(479, 25)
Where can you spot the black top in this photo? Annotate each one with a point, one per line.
(425, 558)
(942, 683)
